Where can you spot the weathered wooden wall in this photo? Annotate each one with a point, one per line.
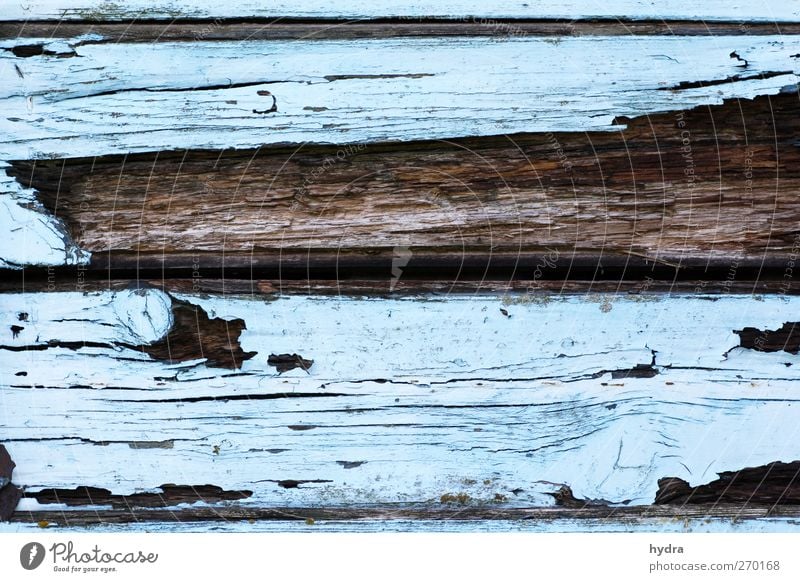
(458, 266)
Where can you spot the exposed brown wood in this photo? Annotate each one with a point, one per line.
(6, 467)
(776, 483)
(786, 339)
(710, 186)
(564, 497)
(13, 281)
(168, 496)
(9, 498)
(193, 336)
(283, 28)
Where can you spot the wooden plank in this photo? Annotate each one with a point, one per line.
(721, 519)
(52, 279)
(712, 186)
(122, 98)
(100, 10)
(604, 394)
(33, 37)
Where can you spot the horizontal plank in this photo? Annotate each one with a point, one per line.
(123, 98)
(51, 279)
(708, 187)
(99, 10)
(605, 394)
(286, 28)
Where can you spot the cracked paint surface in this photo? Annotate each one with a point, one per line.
(394, 411)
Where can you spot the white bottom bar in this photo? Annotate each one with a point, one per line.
(421, 556)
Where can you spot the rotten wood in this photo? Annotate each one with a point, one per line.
(774, 484)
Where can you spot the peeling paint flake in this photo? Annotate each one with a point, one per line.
(30, 235)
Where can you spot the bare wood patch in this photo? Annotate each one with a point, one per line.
(6, 467)
(9, 493)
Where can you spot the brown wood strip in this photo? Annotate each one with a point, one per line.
(775, 483)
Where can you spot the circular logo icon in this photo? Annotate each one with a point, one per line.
(31, 555)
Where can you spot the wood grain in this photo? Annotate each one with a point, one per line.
(774, 484)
